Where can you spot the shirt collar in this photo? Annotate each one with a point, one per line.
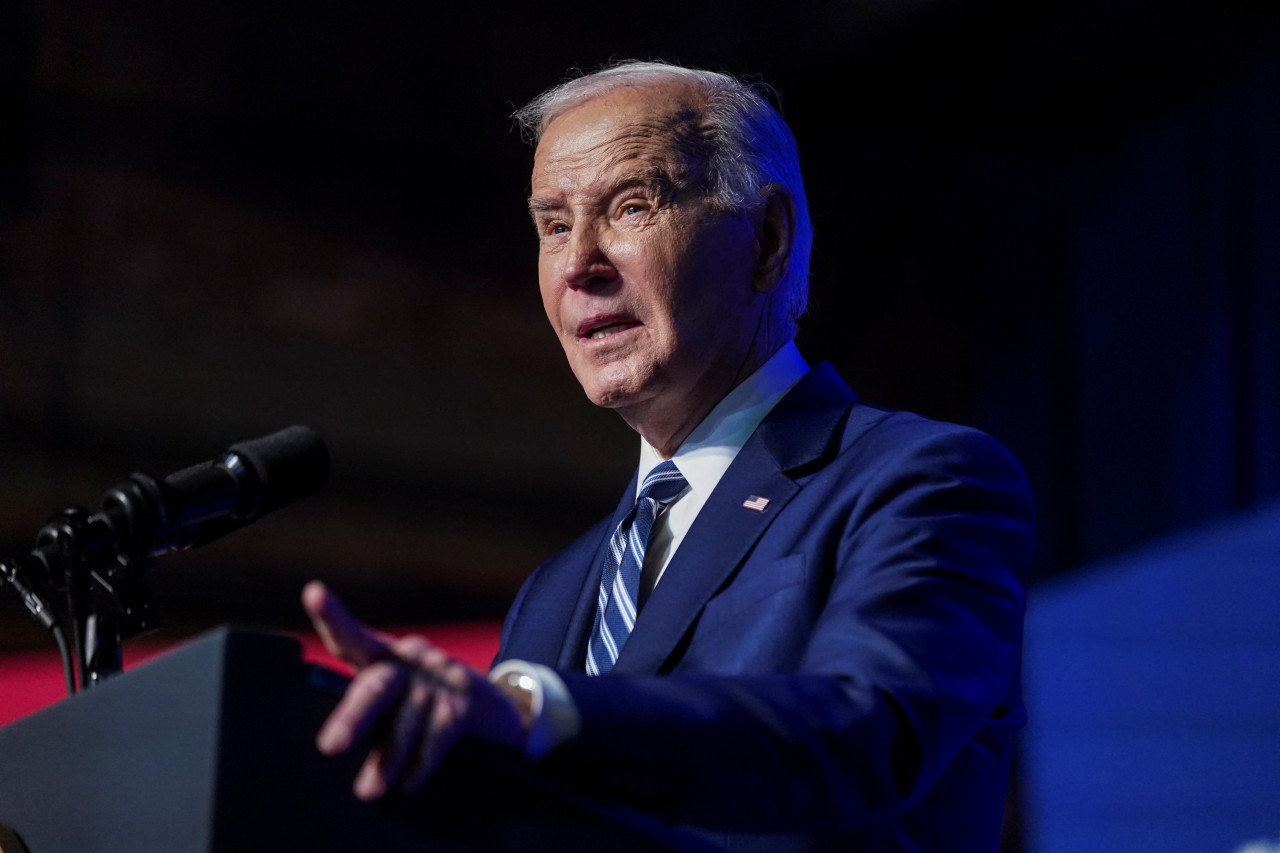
(708, 451)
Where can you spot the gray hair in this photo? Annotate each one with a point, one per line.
(748, 148)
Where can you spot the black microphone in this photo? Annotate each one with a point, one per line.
(196, 505)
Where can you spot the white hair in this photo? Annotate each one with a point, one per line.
(747, 146)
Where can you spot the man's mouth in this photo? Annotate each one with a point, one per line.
(611, 329)
(597, 330)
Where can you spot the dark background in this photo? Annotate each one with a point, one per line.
(1056, 223)
(1059, 222)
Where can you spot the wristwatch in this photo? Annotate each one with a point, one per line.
(546, 709)
(526, 692)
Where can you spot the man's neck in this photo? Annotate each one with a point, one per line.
(666, 423)
(665, 433)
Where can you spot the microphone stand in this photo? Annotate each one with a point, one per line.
(90, 563)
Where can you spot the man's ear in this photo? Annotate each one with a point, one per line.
(773, 237)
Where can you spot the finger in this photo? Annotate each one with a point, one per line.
(381, 771)
(373, 691)
(370, 782)
(342, 634)
(445, 716)
(447, 720)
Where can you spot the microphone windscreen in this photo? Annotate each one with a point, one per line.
(290, 464)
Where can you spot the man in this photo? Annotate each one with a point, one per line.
(807, 633)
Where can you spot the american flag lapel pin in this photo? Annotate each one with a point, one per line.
(756, 502)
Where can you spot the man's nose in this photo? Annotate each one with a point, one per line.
(588, 263)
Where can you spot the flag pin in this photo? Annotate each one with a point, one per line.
(755, 502)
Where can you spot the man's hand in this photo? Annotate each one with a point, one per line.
(410, 698)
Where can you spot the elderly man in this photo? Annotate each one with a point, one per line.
(801, 628)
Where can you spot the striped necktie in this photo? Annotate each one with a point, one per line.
(620, 582)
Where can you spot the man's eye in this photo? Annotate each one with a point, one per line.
(559, 228)
(632, 209)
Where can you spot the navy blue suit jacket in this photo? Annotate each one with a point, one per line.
(838, 671)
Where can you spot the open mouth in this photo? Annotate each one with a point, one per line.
(599, 328)
(608, 330)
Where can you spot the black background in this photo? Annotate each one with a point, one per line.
(1054, 221)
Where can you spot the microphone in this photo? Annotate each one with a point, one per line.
(197, 505)
(96, 561)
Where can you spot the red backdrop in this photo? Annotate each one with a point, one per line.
(31, 680)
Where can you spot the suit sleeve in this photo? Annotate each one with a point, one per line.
(917, 547)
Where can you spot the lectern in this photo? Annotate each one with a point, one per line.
(210, 749)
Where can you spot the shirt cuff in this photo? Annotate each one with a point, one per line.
(555, 716)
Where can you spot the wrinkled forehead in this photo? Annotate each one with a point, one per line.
(653, 126)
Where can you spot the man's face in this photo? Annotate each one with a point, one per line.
(646, 281)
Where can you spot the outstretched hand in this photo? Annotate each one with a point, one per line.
(409, 700)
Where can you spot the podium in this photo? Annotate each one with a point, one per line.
(211, 749)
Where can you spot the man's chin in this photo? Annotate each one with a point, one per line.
(615, 386)
(616, 395)
(611, 398)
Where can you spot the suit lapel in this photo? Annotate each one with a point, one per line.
(796, 433)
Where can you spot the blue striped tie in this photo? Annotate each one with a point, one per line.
(620, 583)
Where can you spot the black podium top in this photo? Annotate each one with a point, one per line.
(211, 749)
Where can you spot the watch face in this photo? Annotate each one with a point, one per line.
(522, 690)
(520, 681)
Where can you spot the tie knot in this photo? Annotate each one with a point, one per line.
(664, 483)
